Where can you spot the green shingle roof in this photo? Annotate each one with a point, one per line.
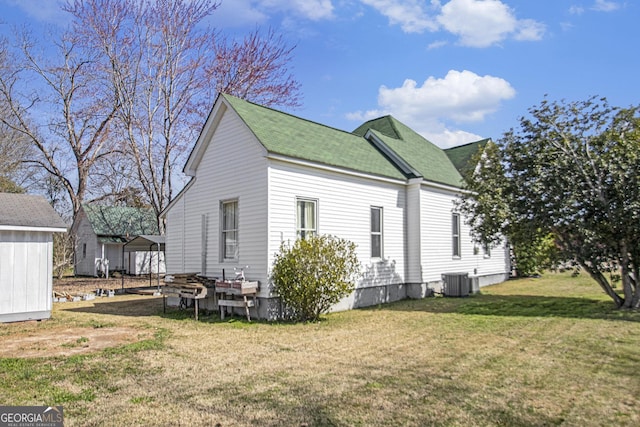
(120, 221)
(291, 136)
(462, 155)
(423, 156)
(288, 135)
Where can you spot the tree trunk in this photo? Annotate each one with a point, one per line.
(604, 284)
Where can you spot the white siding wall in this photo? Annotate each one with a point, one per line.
(140, 262)
(85, 266)
(114, 253)
(174, 235)
(437, 250)
(232, 168)
(343, 210)
(25, 275)
(414, 231)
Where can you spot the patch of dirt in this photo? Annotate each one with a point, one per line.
(85, 285)
(67, 342)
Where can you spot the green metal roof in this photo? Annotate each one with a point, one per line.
(291, 136)
(423, 156)
(121, 221)
(462, 155)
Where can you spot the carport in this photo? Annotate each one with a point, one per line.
(147, 243)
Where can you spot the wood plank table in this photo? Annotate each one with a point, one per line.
(194, 291)
(236, 293)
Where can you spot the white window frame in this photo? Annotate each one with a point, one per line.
(376, 234)
(302, 231)
(456, 246)
(225, 232)
(486, 250)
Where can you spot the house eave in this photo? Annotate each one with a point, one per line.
(32, 228)
(182, 192)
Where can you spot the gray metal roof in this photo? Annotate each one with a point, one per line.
(145, 243)
(25, 210)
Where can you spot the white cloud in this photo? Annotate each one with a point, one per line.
(576, 10)
(239, 13)
(309, 9)
(484, 23)
(605, 6)
(528, 29)
(409, 14)
(437, 44)
(42, 11)
(477, 23)
(461, 96)
(451, 138)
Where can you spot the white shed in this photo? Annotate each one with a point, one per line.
(27, 224)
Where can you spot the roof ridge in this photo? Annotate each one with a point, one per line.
(468, 143)
(226, 96)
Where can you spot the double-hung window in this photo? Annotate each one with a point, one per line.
(455, 234)
(376, 232)
(229, 230)
(487, 250)
(306, 218)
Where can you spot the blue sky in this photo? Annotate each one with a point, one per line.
(455, 71)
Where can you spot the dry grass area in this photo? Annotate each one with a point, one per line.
(536, 352)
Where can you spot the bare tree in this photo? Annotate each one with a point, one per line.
(14, 147)
(166, 67)
(256, 69)
(59, 104)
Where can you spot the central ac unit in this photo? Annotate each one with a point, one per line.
(455, 284)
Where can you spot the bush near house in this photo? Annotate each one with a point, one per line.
(314, 274)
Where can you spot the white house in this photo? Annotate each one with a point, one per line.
(27, 224)
(261, 177)
(101, 233)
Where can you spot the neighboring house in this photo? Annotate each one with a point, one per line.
(101, 233)
(27, 224)
(261, 177)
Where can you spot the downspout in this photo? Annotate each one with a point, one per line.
(158, 262)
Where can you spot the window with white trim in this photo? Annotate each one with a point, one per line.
(487, 250)
(376, 232)
(306, 218)
(455, 235)
(229, 230)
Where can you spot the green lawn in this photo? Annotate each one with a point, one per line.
(546, 351)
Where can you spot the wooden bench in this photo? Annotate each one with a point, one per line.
(236, 293)
(188, 291)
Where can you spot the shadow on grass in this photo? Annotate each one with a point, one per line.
(147, 306)
(153, 307)
(520, 305)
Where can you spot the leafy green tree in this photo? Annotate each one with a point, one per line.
(571, 171)
(314, 274)
(488, 209)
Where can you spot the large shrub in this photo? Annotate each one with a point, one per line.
(314, 274)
